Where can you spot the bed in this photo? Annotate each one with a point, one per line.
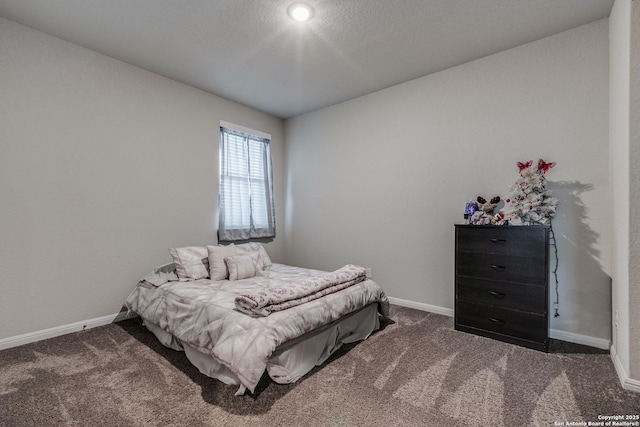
(234, 324)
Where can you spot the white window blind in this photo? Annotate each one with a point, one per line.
(245, 200)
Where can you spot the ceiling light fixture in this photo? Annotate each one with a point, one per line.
(300, 12)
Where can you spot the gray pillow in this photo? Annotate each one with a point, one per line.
(217, 267)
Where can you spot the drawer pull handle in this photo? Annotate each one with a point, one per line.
(498, 322)
(498, 295)
(498, 241)
(497, 267)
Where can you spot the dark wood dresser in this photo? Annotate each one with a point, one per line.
(502, 283)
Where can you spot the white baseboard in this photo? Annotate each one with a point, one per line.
(580, 339)
(422, 306)
(63, 330)
(626, 382)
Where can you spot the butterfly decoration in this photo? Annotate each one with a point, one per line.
(544, 166)
(523, 166)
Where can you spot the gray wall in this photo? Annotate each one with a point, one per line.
(104, 166)
(634, 202)
(380, 180)
(624, 137)
(619, 151)
(619, 40)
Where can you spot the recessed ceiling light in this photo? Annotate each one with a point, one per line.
(300, 12)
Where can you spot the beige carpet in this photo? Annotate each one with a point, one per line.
(418, 371)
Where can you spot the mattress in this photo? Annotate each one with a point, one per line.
(200, 317)
(292, 360)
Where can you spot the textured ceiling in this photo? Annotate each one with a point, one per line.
(251, 52)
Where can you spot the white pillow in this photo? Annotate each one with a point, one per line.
(242, 266)
(217, 267)
(191, 262)
(264, 262)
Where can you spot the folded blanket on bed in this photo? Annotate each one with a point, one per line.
(268, 300)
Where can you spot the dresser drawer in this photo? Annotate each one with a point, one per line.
(514, 296)
(527, 326)
(519, 241)
(501, 267)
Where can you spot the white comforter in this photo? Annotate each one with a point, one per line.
(203, 314)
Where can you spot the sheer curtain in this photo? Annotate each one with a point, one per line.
(245, 199)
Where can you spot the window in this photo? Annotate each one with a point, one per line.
(245, 199)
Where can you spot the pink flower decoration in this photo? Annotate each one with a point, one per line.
(523, 166)
(544, 166)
